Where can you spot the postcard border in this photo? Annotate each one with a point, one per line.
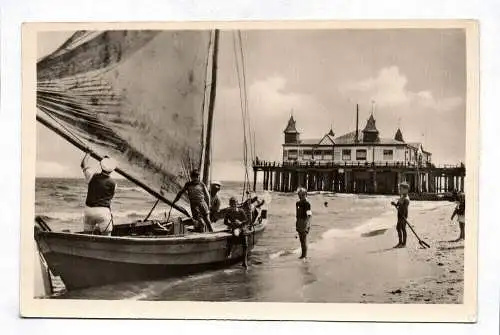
(32, 307)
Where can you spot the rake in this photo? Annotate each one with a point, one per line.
(420, 241)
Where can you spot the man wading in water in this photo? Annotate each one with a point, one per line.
(303, 223)
(237, 222)
(402, 206)
(101, 189)
(199, 200)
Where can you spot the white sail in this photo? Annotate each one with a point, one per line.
(137, 96)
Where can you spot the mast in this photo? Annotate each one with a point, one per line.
(93, 154)
(211, 106)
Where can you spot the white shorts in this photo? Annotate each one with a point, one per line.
(97, 218)
(461, 218)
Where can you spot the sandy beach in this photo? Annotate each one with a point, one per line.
(371, 271)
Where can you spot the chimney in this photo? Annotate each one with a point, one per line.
(356, 139)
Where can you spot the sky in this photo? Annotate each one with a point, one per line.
(416, 77)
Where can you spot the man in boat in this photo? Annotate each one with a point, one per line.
(402, 206)
(214, 201)
(251, 206)
(199, 200)
(101, 190)
(237, 222)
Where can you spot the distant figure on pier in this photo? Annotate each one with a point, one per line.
(326, 204)
(460, 213)
(402, 206)
(214, 201)
(303, 220)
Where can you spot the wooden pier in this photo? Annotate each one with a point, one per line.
(370, 178)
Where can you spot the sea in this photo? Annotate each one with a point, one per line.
(275, 272)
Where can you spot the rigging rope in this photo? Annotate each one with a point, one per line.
(243, 107)
(247, 114)
(70, 133)
(246, 97)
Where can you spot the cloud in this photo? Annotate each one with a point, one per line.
(389, 89)
(47, 169)
(422, 116)
(232, 171)
(270, 105)
(52, 169)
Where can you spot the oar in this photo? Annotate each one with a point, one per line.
(420, 241)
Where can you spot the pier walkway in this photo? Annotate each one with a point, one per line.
(359, 177)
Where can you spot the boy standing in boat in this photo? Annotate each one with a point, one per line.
(237, 221)
(303, 220)
(460, 213)
(199, 200)
(402, 206)
(101, 190)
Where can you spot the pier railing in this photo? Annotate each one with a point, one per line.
(359, 177)
(258, 164)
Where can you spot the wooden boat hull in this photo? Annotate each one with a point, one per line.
(83, 260)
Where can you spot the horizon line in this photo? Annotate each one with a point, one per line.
(58, 177)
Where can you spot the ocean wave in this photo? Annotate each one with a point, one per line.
(283, 253)
(62, 187)
(383, 221)
(154, 288)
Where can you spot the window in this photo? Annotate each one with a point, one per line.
(307, 152)
(336, 155)
(346, 154)
(388, 155)
(292, 153)
(328, 152)
(361, 155)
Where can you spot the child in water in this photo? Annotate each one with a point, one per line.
(460, 213)
(303, 216)
(402, 206)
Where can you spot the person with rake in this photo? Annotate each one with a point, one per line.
(402, 215)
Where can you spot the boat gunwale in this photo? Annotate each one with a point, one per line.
(194, 238)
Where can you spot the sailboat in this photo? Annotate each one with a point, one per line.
(145, 98)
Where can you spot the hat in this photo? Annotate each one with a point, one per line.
(404, 185)
(216, 183)
(108, 164)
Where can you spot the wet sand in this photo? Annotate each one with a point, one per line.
(371, 271)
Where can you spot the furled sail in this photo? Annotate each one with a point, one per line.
(137, 96)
